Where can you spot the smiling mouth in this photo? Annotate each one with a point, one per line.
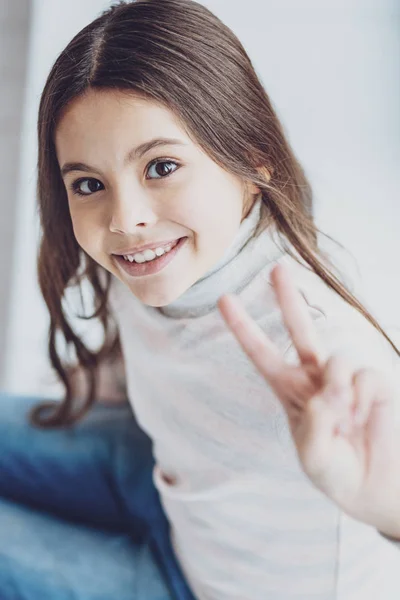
(150, 254)
(150, 267)
(147, 247)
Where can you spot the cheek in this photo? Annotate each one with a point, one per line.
(77, 225)
(84, 231)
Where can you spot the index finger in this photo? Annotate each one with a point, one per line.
(258, 347)
(296, 316)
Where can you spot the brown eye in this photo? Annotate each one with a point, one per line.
(162, 168)
(86, 187)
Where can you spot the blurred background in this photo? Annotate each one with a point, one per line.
(332, 70)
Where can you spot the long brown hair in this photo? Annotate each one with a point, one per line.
(180, 54)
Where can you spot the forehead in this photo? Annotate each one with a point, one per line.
(109, 117)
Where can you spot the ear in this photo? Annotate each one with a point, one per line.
(253, 189)
(265, 174)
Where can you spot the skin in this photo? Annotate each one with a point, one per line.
(134, 202)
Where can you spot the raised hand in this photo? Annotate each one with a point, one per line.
(342, 421)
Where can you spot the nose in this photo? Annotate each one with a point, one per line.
(131, 208)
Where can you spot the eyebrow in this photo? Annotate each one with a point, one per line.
(133, 155)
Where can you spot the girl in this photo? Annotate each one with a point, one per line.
(261, 381)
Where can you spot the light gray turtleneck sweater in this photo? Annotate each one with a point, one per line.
(246, 522)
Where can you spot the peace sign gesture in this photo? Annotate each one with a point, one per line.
(342, 421)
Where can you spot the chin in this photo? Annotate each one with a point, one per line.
(157, 298)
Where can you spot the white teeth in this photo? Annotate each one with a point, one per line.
(148, 255)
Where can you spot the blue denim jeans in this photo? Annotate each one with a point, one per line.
(80, 518)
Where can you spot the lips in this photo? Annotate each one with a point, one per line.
(171, 246)
(150, 246)
(151, 267)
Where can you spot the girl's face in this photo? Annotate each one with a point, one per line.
(136, 193)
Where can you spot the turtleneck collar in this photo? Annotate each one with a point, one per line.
(243, 259)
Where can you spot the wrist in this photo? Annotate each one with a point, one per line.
(390, 538)
(390, 516)
(382, 512)
(388, 522)
(391, 529)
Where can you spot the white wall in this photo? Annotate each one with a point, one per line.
(332, 72)
(14, 28)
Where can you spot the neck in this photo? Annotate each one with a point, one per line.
(245, 257)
